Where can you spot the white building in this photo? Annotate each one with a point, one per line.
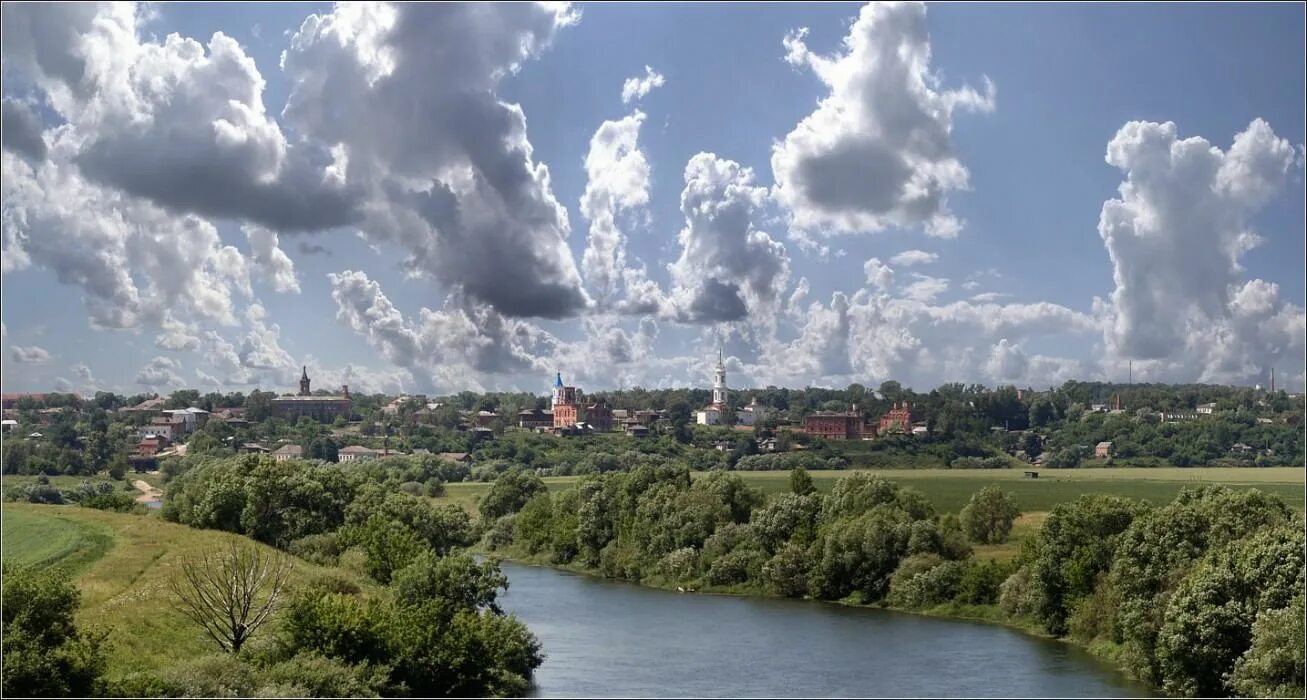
(356, 453)
(712, 413)
(753, 413)
(1206, 408)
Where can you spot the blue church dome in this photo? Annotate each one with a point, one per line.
(558, 380)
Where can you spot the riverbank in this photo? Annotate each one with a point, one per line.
(981, 614)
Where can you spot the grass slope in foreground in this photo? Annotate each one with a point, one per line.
(125, 586)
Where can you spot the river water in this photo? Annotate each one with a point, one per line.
(604, 638)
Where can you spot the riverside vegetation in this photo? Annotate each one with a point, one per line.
(396, 608)
(1201, 596)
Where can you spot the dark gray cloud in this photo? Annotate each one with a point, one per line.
(20, 130)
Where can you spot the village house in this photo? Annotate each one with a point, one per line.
(1206, 409)
(151, 445)
(753, 413)
(356, 453)
(896, 420)
(1103, 450)
(535, 418)
(285, 452)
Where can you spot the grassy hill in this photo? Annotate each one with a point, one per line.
(123, 563)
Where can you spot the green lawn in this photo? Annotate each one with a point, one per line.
(949, 489)
(42, 539)
(68, 482)
(125, 584)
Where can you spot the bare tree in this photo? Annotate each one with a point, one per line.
(231, 593)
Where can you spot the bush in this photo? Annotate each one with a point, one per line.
(988, 516)
(786, 573)
(679, 564)
(736, 567)
(116, 501)
(413, 488)
(981, 583)
(323, 549)
(938, 584)
(1017, 596)
(45, 654)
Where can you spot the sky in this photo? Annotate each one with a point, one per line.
(437, 197)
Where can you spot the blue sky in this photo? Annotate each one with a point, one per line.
(1066, 82)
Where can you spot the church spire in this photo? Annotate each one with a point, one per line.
(304, 382)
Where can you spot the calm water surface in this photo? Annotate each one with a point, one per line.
(614, 639)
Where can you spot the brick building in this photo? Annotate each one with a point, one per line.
(896, 420)
(570, 409)
(838, 425)
(323, 409)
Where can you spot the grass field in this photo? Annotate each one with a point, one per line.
(42, 539)
(124, 583)
(949, 489)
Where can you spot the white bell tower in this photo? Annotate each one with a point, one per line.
(719, 382)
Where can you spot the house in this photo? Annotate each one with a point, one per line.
(536, 418)
(191, 418)
(484, 419)
(167, 426)
(148, 407)
(1179, 416)
(8, 425)
(1206, 409)
(1103, 450)
(1240, 448)
(285, 452)
(252, 448)
(768, 445)
(151, 445)
(920, 430)
(636, 430)
(571, 410)
(356, 453)
(458, 457)
(1098, 408)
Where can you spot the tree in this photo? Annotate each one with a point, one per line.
(45, 655)
(509, 493)
(258, 406)
(231, 593)
(801, 482)
(118, 467)
(987, 517)
(1273, 666)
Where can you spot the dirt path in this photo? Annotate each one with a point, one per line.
(148, 492)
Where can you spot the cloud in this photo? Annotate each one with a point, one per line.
(635, 89)
(406, 93)
(29, 354)
(925, 288)
(876, 153)
(617, 184)
(728, 269)
(1175, 235)
(61, 384)
(21, 131)
(160, 372)
(133, 261)
(878, 274)
(988, 296)
(83, 372)
(908, 258)
(313, 249)
(177, 122)
(270, 259)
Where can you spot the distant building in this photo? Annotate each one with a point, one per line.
(457, 457)
(252, 448)
(285, 452)
(192, 418)
(1103, 450)
(323, 409)
(356, 453)
(148, 406)
(713, 412)
(151, 445)
(753, 413)
(1179, 416)
(897, 420)
(484, 419)
(570, 409)
(167, 426)
(535, 418)
(1206, 409)
(838, 425)
(637, 431)
(8, 425)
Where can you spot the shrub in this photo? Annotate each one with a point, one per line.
(981, 583)
(786, 573)
(937, 584)
(323, 549)
(679, 564)
(45, 654)
(736, 567)
(988, 516)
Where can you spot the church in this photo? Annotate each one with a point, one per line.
(713, 412)
(323, 409)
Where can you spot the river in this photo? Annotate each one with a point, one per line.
(604, 638)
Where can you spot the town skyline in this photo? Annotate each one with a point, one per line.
(823, 208)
